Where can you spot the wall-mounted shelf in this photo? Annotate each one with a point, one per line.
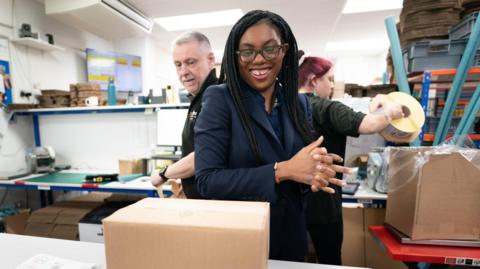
(37, 44)
(96, 109)
(36, 112)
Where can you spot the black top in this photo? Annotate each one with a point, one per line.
(189, 185)
(335, 121)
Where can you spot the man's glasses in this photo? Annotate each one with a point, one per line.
(268, 53)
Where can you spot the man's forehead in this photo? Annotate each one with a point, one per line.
(191, 45)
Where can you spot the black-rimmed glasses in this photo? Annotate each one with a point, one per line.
(268, 53)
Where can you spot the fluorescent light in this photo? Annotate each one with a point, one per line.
(200, 20)
(358, 6)
(370, 44)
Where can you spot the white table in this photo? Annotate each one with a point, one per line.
(15, 249)
(366, 196)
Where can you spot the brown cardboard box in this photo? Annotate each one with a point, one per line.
(375, 256)
(129, 167)
(39, 229)
(59, 220)
(183, 233)
(16, 224)
(44, 215)
(439, 200)
(69, 232)
(359, 248)
(353, 247)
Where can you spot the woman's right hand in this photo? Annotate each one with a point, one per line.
(313, 166)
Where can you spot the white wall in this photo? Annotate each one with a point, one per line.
(34, 69)
(360, 69)
(98, 141)
(158, 70)
(87, 141)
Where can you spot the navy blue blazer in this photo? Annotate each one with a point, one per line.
(226, 169)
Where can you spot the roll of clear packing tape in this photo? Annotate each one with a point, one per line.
(405, 129)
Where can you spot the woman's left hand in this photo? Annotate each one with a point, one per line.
(327, 171)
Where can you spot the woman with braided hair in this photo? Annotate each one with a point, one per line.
(253, 138)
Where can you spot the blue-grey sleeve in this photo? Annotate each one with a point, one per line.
(214, 178)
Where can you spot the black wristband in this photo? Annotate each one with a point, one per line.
(162, 174)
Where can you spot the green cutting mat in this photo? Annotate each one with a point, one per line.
(72, 178)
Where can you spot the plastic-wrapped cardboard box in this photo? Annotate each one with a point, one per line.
(182, 233)
(434, 193)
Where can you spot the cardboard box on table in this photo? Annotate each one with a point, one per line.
(181, 233)
(434, 196)
(129, 167)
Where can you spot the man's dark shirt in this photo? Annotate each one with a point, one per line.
(189, 184)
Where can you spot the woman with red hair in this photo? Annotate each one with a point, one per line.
(335, 121)
(315, 76)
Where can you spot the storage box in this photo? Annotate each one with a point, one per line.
(464, 28)
(16, 224)
(59, 220)
(434, 193)
(433, 54)
(376, 257)
(129, 167)
(182, 233)
(353, 247)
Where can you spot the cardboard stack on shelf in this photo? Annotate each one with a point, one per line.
(470, 6)
(81, 91)
(427, 19)
(54, 98)
(356, 90)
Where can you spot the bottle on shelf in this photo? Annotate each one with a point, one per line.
(130, 98)
(111, 92)
(150, 97)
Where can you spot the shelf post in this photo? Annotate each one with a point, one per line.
(457, 85)
(36, 129)
(396, 51)
(468, 117)
(427, 76)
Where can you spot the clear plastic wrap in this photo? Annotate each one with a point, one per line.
(433, 191)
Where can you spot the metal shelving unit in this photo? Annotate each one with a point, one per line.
(438, 83)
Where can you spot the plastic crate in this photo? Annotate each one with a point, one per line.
(433, 54)
(463, 29)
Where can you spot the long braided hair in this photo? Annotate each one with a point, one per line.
(288, 76)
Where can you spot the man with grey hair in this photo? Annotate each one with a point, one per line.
(194, 62)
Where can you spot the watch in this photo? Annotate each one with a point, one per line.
(162, 174)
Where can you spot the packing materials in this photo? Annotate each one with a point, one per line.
(188, 233)
(129, 167)
(59, 220)
(433, 192)
(405, 129)
(15, 224)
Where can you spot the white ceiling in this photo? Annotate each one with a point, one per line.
(314, 22)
